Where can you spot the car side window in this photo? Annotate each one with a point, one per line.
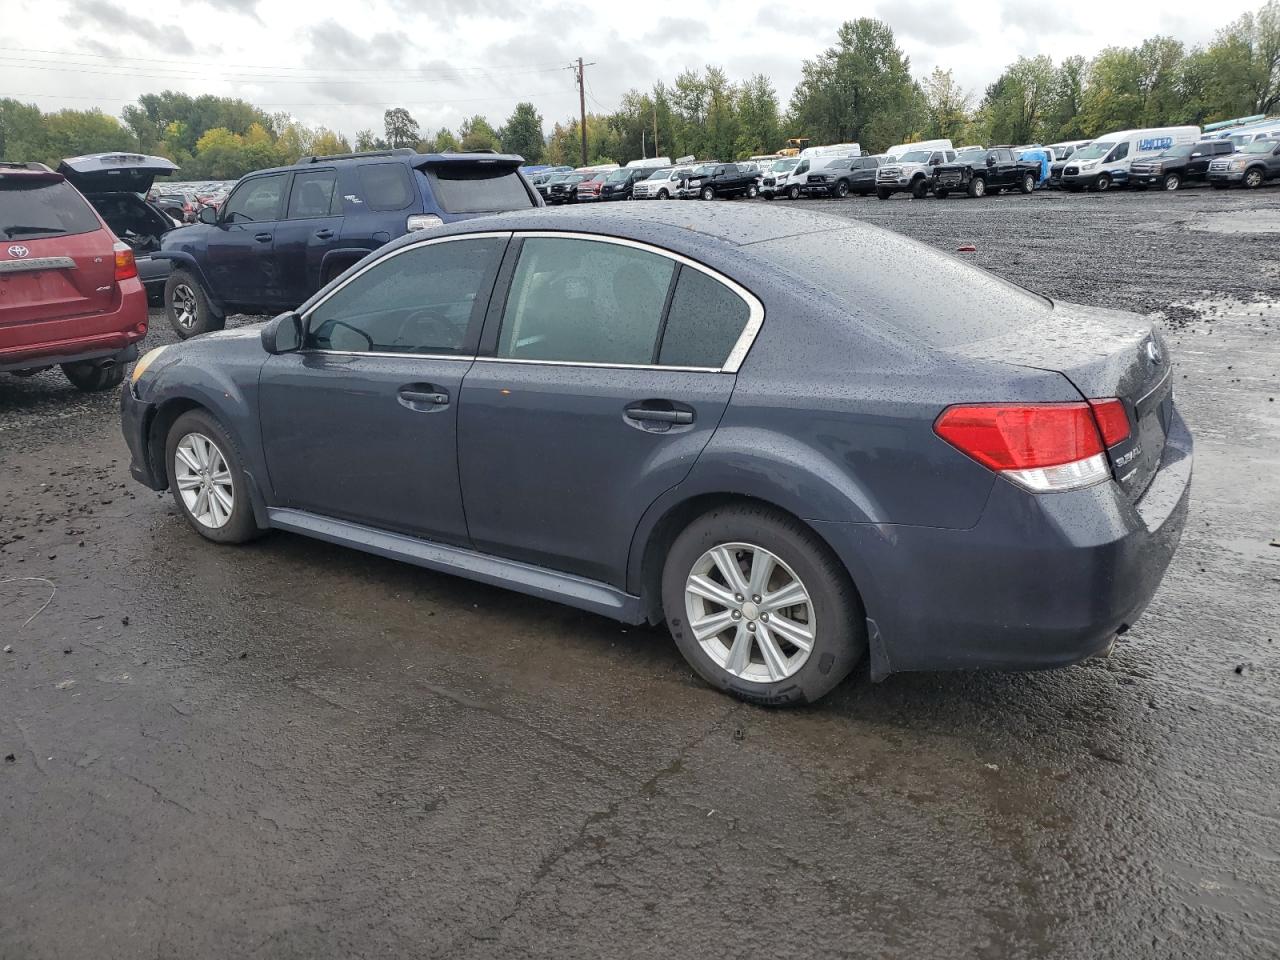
(584, 301)
(1119, 153)
(313, 194)
(385, 186)
(705, 321)
(255, 200)
(422, 300)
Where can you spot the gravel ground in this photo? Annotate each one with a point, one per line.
(291, 750)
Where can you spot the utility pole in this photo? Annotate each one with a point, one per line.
(656, 149)
(582, 102)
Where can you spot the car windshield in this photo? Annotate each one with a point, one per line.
(704, 169)
(974, 154)
(1260, 146)
(841, 164)
(618, 176)
(1093, 151)
(660, 174)
(916, 156)
(558, 178)
(782, 166)
(1182, 150)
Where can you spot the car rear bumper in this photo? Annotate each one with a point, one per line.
(88, 337)
(1041, 580)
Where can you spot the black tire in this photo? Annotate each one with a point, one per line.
(1102, 184)
(187, 306)
(977, 187)
(840, 639)
(1172, 181)
(752, 192)
(882, 194)
(1074, 188)
(793, 192)
(941, 193)
(920, 188)
(767, 196)
(94, 376)
(240, 525)
(842, 189)
(663, 194)
(1028, 183)
(1253, 178)
(707, 193)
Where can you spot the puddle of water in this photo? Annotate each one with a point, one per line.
(1248, 221)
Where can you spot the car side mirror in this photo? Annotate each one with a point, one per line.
(207, 215)
(282, 334)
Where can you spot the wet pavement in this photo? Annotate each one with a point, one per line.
(292, 750)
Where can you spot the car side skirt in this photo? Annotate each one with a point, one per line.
(565, 588)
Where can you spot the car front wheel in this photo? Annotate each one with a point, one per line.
(187, 306)
(708, 193)
(1172, 181)
(842, 189)
(760, 607)
(1253, 179)
(977, 187)
(664, 195)
(207, 479)
(1103, 184)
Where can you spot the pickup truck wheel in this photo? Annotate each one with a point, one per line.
(793, 192)
(920, 188)
(187, 307)
(1172, 181)
(1253, 178)
(842, 189)
(663, 194)
(752, 192)
(978, 187)
(708, 193)
(883, 194)
(91, 376)
(1103, 184)
(1028, 183)
(941, 193)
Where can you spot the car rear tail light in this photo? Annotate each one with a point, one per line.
(422, 221)
(125, 265)
(1113, 420)
(1042, 447)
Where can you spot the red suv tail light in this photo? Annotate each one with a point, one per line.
(1043, 447)
(125, 265)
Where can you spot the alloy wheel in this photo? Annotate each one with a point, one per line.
(184, 306)
(203, 479)
(750, 613)
(1253, 179)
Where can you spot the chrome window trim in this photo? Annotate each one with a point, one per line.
(755, 309)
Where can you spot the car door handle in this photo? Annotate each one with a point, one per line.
(324, 234)
(262, 237)
(652, 412)
(422, 398)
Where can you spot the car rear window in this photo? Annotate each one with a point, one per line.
(386, 186)
(891, 281)
(477, 188)
(30, 209)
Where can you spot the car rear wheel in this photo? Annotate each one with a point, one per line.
(207, 479)
(1028, 183)
(1172, 181)
(760, 607)
(978, 187)
(187, 307)
(92, 376)
(1253, 178)
(752, 191)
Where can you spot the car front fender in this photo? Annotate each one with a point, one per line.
(180, 258)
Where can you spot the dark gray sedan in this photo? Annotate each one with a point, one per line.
(795, 439)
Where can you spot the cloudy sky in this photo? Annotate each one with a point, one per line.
(339, 64)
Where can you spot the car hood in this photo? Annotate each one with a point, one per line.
(115, 172)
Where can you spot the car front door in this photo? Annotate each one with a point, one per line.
(240, 247)
(312, 226)
(603, 373)
(361, 423)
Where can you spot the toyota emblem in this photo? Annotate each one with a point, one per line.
(18, 250)
(1153, 352)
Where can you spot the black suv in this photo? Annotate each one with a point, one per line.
(284, 233)
(1178, 165)
(711, 180)
(986, 171)
(620, 184)
(845, 176)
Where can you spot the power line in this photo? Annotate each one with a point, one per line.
(329, 103)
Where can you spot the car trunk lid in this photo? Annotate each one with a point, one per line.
(1104, 353)
(115, 172)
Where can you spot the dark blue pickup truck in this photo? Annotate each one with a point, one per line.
(284, 233)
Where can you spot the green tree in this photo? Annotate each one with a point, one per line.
(1113, 96)
(522, 133)
(946, 106)
(22, 133)
(72, 132)
(1016, 105)
(400, 127)
(1062, 119)
(759, 123)
(476, 133)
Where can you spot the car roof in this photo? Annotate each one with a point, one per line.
(404, 155)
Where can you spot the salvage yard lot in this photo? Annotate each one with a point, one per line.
(292, 750)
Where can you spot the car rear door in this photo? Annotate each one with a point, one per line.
(56, 257)
(361, 423)
(312, 226)
(240, 249)
(605, 368)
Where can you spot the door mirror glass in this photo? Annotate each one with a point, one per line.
(207, 215)
(991, 160)
(283, 334)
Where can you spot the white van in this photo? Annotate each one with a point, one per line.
(898, 149)
(791, 182)
(651, 163)
(1106, 161)
(832, 150)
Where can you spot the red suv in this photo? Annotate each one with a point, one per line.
(69, 289)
